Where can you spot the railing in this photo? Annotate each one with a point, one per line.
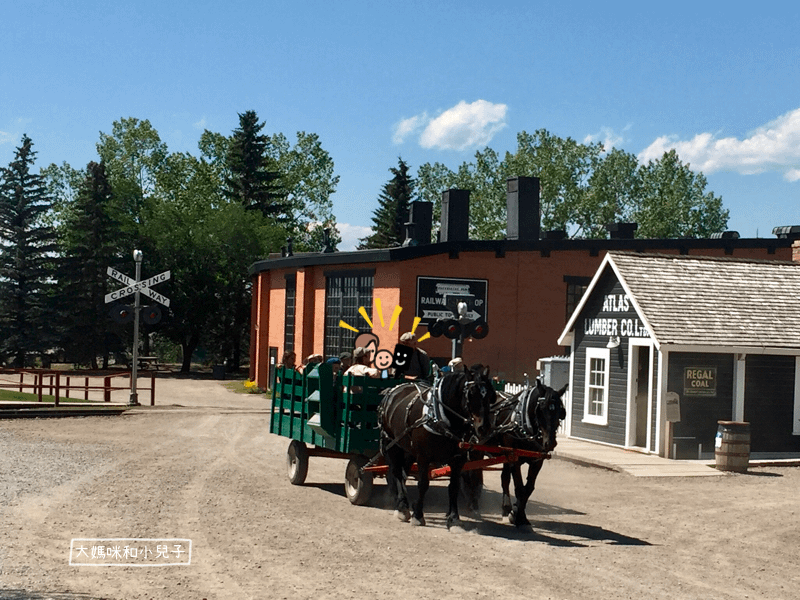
(58, 382)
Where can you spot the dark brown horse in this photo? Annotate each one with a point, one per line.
(528, 421)
(425, 424)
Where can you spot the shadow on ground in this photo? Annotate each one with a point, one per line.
(16, 594)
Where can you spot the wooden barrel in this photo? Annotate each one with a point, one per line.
(732, 446)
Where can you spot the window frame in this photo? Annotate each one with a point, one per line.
(289, 313)
(336, 338)
(603, 354)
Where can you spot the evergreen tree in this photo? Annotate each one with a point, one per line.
(27, 245)
(252, 179)
(90, 244)
(392, 213)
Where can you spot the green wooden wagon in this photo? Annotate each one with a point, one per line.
(328, 416)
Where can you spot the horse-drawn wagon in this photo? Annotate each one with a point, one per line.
(346, 416)
(329, 416)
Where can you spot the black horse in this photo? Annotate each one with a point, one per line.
(425, 424)
(527, 421)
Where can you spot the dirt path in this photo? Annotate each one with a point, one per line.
(207, 470)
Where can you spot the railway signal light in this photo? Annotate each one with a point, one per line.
(121, 313)
(478, 329)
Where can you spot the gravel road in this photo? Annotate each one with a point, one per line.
(201, 466)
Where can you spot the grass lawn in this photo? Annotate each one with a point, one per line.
(12, 396)
(241, 387)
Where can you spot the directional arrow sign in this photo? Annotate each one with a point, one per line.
(132, 286)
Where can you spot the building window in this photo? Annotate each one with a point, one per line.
(595, 406)
(576, 286)
(289, 312)
(345, 293)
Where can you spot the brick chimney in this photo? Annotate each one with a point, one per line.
(796, 251)
(622, 231)
(455, 216)
(418, 228)
(522, 208)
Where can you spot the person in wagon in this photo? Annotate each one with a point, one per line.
(311, 361)
(419, 366)
(289, 361)
(361, 364)
(456, 365)
(347, 360)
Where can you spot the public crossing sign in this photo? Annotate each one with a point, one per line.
(132, 286)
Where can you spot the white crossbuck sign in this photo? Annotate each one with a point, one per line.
(131, 287)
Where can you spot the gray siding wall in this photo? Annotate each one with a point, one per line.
(618, 309)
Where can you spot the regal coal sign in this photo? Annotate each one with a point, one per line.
(700, 381)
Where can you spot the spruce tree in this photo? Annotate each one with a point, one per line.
(392, 213)
(252, 179)
(27, 246)
(90, 244)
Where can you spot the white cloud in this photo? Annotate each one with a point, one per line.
(609, 137)
(464, 126)
(408, 126)
(792, 175)
(461, 127)
(774, 146)
(201, 124)
(351, 234)
(5, 137)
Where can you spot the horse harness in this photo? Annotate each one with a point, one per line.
(519, 426)
(434, 412)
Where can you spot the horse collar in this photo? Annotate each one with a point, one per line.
(522, 416)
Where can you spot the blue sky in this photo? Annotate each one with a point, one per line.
(428, 81)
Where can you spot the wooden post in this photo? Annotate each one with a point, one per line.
(107, 389)
(86, 390)
(58, 386)
(21, 378)
(152, 389)
(66, 392)
(38, 380)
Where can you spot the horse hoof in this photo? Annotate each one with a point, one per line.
(403, 515)
(418, 522)
(456, 528)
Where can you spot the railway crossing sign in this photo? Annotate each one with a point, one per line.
(132, 286)
(137, 287)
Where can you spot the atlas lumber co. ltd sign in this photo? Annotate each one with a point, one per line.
(622, 325)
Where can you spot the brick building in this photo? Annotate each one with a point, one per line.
(525, 287)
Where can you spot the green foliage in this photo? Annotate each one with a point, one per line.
(134, 155)
(582, 189)
(674, 202)
(253, 179)
(27, 245)
(89, 241)
(392, 213)
(183, 212)
(309, 180)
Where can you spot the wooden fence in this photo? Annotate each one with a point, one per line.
(60, 384)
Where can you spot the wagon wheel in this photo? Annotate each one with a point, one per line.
(297, 462)
(357, 485)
